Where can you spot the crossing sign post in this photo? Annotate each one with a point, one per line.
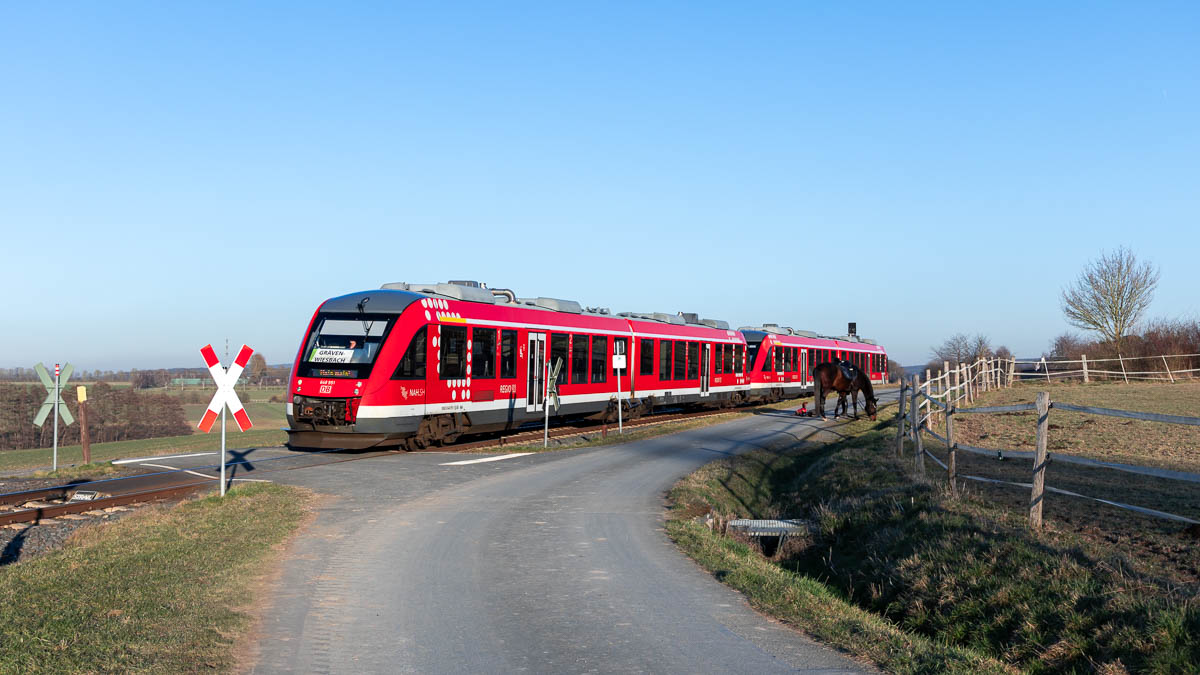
(225, 397)
(551, 396)
(54, 400)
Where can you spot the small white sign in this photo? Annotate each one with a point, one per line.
(322, 355)
(618, 361)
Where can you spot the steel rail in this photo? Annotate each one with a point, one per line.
(39, 513)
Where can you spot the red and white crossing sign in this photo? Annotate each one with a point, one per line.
(225, 395)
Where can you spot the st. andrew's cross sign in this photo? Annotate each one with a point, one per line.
(225, 396)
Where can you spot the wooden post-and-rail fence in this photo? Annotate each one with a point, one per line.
(913, 396)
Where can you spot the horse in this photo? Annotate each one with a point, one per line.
(830, 377)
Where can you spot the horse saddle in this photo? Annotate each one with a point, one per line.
(849, 370)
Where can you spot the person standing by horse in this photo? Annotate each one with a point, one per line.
(844, 378)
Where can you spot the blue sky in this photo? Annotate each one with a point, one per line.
(177, 174)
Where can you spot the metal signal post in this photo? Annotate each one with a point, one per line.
(54, 400)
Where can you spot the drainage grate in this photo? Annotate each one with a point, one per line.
(768, 528)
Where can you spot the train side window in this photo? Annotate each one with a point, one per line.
(693, 368)
(508, 354)
(599, 359)
(453, 354)
(779, 359)
(723, 364)
(738, 358)
(680, 360)
(579, 359)
(664, 359)
(621, 346)
(483, 353)
(559, 345)
(787, 359)
(767, 360)
(646, 357)
(412, 364)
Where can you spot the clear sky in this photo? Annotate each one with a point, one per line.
(177, 173)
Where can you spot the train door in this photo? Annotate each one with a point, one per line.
(803, 366)
(536, 393)
(705, 365)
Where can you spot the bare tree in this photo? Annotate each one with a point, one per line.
(1003, 353)
(1111, 295)
(257, 368)
(981, 347)
(1070, 346)
(963, 348)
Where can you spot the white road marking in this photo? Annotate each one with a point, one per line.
(253, 480)
(486, 459)
(142, 459)
(172, 468)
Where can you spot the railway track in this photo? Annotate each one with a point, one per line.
(517, 438)
(33, 506)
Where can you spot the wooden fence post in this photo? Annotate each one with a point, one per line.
(900, 421)
(946, 383)
(1039, 461)
(951, 452)
(926, 404)
(1085, 370)
(919, 456)
(1012, 372)
(84, 438)
(1169, 375)
(1123, 373)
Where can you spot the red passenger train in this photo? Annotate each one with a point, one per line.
(415, 365)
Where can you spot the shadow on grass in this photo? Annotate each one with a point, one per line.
(960, 570)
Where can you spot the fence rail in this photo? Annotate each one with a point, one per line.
(921, 403)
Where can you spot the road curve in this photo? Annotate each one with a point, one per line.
(547, 563)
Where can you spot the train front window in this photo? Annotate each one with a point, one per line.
(344, 345)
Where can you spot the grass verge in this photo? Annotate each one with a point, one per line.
(164, 590)
(897, 571)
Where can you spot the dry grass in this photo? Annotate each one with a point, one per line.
(1170, 446)
(943, 572)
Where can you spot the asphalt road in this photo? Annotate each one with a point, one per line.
(549, 563)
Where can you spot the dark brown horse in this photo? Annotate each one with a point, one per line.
(829, 377)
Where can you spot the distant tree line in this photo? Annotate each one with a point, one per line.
(1157, 338)
(257, 372)
(114, 414)
(963, 348)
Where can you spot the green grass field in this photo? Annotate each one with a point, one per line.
(21, 460)
(261, 414)
(166, 590)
